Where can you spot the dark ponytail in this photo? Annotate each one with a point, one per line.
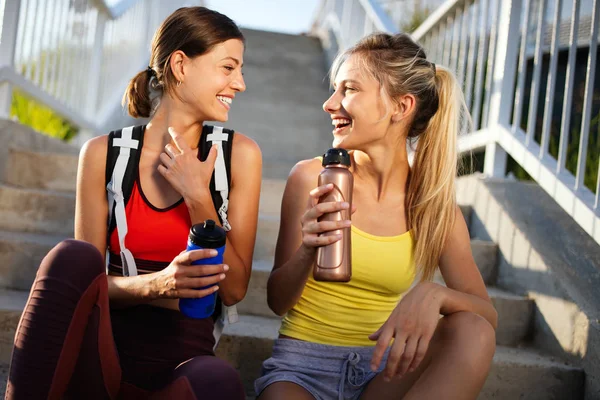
(137, 96)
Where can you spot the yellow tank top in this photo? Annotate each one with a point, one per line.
(345, 314)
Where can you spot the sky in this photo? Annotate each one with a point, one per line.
(289, 16)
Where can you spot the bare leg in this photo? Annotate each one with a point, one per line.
(455, 367)
(285, 390)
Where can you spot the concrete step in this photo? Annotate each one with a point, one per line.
(20, 257)
(514, 312)
(515, 315)
(515, 374)
(37, 170)
(271, 193)
(12, 303)
(36, 210)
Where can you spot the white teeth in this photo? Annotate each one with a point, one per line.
(224, 99)
(340, 121)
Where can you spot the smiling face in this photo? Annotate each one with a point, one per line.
(358, 109)
(211, 81)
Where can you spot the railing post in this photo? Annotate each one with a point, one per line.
(507, 49)
(8, 40)
(94, 73)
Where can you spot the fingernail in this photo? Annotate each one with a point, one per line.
(373, 368)
(215, 288)
(213, 253)
(222, 276)
(347, 223)
(345, 205)
(225, 267)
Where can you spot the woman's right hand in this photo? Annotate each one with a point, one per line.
(181, 279)
(312, 228)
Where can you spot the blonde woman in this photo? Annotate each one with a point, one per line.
(380, 336)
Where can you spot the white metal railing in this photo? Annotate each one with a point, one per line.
(76, 56)
(518, 63)
(340, 23)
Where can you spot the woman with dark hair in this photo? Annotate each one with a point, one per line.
(88, 334)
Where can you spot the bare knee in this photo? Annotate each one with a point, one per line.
(473, 336)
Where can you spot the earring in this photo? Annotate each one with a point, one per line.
(178, 83)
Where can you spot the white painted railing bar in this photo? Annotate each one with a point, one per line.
(440, 43)
(52, 43)
(436, 16)
(456, 40)
(481, 59)
(588, 99)
(463, 43)
(42, 40)
(471, 61)
(551, 84)
(537, 72)
(489, 80)
(447, 41)
(29, 38)
(520, 94)
(569, 83)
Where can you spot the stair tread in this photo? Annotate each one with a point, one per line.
(36, 191)
(13, 300)
(31, 237)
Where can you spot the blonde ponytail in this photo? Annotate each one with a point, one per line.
(431, 192)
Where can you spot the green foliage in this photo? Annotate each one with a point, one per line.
(40, 117)
(593, 154)
(417, 18)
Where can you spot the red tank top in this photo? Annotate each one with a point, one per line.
(154, 236)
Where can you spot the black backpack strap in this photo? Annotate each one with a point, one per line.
(218, 200)
(131, 171)
(204, 148)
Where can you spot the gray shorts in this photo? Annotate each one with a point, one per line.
(327, 372)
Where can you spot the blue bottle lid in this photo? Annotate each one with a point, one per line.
(208, 235)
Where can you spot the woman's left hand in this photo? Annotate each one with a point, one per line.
(411, 325)
(184, 171)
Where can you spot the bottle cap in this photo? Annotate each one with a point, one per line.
(208, 235)
(336, 156)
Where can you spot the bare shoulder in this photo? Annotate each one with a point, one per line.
(304, 174)
(94, 149)
(245, 148)
(92, 157)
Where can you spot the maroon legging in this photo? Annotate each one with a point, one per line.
(69, 344)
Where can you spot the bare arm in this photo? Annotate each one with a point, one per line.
(299, 238)
(465, 289)
(246, 172)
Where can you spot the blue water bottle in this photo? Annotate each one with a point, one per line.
(204, 236)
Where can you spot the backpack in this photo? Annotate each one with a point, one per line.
(122, 160)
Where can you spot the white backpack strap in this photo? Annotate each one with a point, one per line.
(218, 137)
(116, 197)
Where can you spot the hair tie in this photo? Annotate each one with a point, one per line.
(150, 71)
(433, 68)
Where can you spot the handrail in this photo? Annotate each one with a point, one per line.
(76, 57)
(491, 45)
